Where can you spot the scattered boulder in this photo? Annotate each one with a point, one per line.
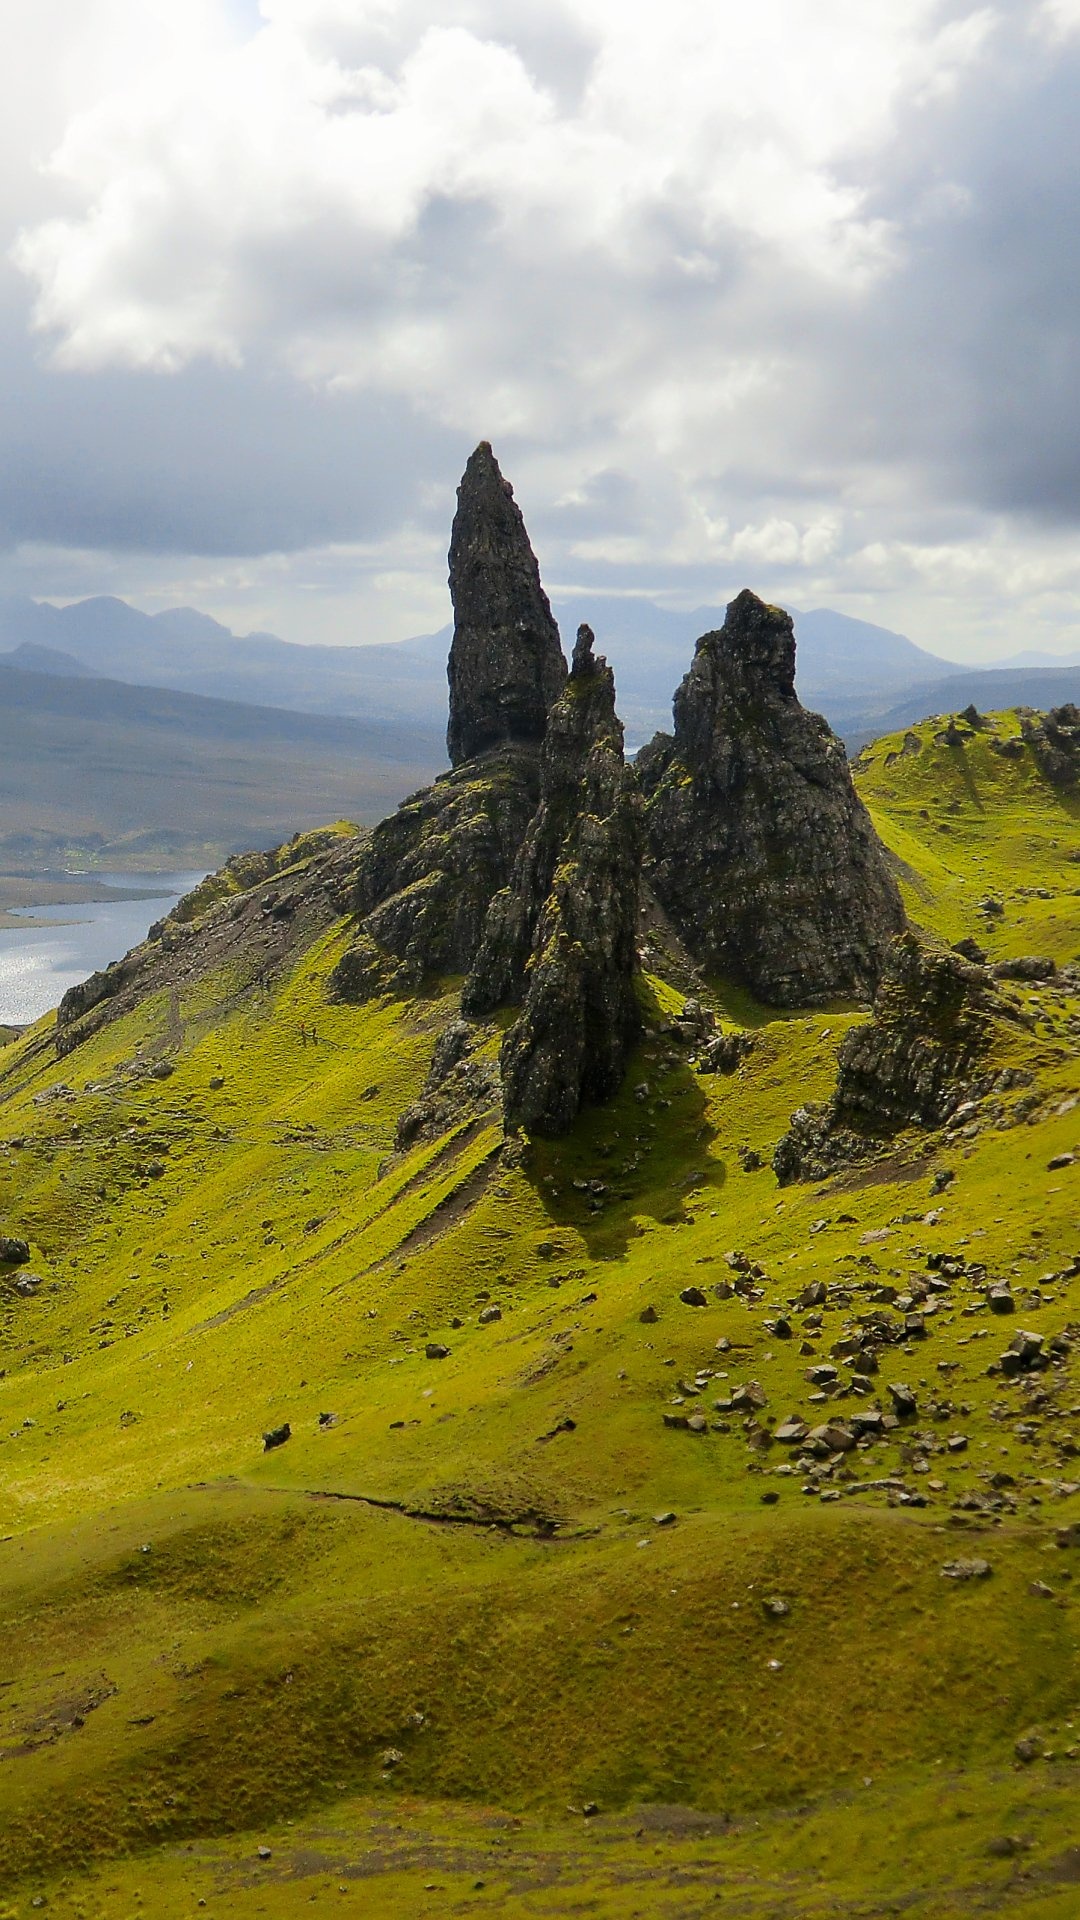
(13, 1253)
(1029, 966)
(693, 1297)
(966, 1570)
(1024, 1354)
(276, 1437)
(435, 1351)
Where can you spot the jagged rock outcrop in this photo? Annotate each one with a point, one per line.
(431, 869)
(506, 664)
(1054, 739)
(460, 1088)
(561, 937)
(427, 876)
(759, 849)
(911, 1065)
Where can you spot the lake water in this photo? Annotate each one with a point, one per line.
(39, 964)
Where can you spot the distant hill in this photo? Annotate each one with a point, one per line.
(34, 659)
(993, 689)
(93, 767)
(864, 678)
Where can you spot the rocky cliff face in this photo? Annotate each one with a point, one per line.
(561, 937)
(506, 664)
(912, 1064)
(428, 873)
(759, 848)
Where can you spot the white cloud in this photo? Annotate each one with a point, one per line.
(229, 192)
(741, 291)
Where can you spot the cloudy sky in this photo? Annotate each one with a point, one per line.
(785, 295)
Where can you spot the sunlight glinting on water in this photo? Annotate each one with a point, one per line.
(38, 964)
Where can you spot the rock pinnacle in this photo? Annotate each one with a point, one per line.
(506, 664)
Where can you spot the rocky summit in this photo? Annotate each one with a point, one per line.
(759, 848)
(479, 1378)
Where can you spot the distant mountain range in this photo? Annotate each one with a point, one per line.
(854, 672)
(840, 660)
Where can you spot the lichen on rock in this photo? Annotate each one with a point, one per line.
(759, 848)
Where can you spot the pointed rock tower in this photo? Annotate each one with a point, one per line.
(430, 870)
(760, 850)
(561, 937)
(506, 664)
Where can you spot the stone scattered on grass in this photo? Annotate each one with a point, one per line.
(13, 1253)
(435, 1351)
(276, 1437)
(966, 1570)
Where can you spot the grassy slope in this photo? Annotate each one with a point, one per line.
(201, 1642)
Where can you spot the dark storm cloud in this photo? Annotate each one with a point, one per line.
(966, 364)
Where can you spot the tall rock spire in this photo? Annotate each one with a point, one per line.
(760, 849)
(506, 665)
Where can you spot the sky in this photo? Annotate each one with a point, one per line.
(785, 296)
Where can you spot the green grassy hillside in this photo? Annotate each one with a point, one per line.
(480, 1591)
